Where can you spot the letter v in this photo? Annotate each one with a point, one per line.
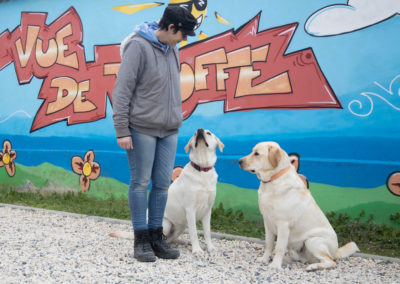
(31, 37)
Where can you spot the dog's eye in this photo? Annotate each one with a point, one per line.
(255, 153)
(209, 133)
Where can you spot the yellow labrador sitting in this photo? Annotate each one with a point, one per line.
(290, 212)
(191, 196)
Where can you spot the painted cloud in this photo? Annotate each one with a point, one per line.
(356, 15)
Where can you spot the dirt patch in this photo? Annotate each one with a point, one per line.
(48, 190)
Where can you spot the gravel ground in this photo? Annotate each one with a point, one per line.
(38, 246)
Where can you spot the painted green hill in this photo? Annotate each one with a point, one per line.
(47, 174)
(378, 201)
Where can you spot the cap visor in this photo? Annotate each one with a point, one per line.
(190, 33)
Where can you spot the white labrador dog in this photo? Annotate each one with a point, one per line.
(191, 195)
(290, 212)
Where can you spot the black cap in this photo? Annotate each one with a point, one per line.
(181, 18)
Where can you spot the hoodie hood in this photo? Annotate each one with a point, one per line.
(145, 30)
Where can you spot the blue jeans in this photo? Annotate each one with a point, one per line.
(151, 158)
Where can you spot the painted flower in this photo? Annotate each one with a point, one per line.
(393, 183)
(7, 157)
(87, 168)
(176, 173)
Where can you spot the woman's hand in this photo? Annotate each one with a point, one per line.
(125, 142)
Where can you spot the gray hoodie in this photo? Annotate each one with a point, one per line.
(147, 93)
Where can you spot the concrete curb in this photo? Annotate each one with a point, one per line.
(213, 234)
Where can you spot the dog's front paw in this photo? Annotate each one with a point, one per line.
(197, 251)
(275, 265)
(265, 258)
(287, 259)
(312, 267)
(211, 248)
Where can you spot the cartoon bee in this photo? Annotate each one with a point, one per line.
(198, 8)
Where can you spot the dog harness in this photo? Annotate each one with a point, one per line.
(200, 169)
(278, 175)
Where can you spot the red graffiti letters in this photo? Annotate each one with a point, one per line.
(73, 89)
(247, 69)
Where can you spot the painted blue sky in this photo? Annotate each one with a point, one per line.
(361, 65)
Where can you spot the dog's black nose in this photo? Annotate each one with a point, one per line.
(200, 136)
(240, 161)
(200, 133)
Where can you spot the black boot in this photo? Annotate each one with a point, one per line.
(142, 248)
(160, 247)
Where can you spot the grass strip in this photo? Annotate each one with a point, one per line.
(370, 237)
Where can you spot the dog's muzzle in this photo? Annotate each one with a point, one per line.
(242, 166)
(200, 136)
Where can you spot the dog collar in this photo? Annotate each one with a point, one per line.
(200, 169)
(277, 175)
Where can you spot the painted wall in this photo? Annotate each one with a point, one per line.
(321, 79)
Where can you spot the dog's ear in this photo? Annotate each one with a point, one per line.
(274, 155)
(294, 160)
(220, 144)
(188, 145)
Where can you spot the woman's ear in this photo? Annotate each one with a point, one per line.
(172, 28)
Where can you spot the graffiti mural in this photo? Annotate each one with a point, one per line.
(322, 81)
(246, 68)
(72, 89)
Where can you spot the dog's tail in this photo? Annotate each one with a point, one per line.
(122, 235)
(346, 250)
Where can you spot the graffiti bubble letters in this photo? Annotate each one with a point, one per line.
(55, 48)
(248, 69)
(243, 58)
(73, 89)
(36, 48)
(70, 92)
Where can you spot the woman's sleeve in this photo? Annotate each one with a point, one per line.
(124, 88)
